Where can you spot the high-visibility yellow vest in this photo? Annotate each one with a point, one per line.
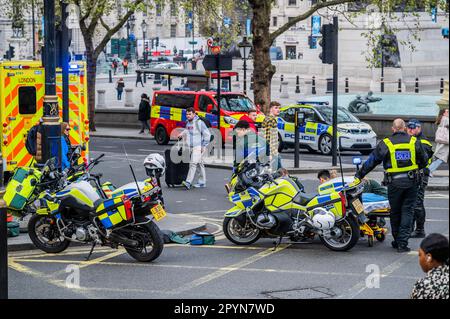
(402, 152)
(426, 142)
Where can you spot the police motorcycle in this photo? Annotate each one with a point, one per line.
(272, 205)
(82, 213)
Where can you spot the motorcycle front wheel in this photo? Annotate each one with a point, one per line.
(151, 242)
(45, 234)
(347, 235)
(240, 235)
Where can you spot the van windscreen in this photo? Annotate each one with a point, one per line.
(179, 101)
(236, 103)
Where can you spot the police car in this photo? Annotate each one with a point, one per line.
(316, 134)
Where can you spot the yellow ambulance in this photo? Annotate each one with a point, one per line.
(22, 90)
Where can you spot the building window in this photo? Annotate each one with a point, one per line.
(27, 100)
(173, 30)
(292, 2)
(275, 21)
(158, 10)
(173, 10)
(291, 52)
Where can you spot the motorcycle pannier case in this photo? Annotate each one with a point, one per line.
(20, 188)
(332, 202)
(115, 212)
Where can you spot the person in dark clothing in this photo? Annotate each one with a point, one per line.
(144, 113)
(415, 129)
(119, 87)
(139, 79)
(403, 157)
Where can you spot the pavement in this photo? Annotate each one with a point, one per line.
(182, 224)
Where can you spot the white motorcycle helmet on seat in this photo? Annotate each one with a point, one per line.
(323, 219)
(155, 165)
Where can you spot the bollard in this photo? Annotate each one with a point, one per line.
(346, 85)
(129, 98)
(382, 85)
(417, 86)
(110, 76)
(442, 86)
(313, 90)
(101, 104)
(297, 89)
(399, 85)
(281, 83)
(284, 90)
(145, 77)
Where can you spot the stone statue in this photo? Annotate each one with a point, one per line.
(361, 105)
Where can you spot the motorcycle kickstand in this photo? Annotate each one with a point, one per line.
(92, 250)
(277, 244)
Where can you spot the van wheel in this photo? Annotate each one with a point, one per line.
(161, 136)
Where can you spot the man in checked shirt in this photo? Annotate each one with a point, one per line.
(270, 131)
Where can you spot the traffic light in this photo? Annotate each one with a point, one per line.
(328, 55)
(12, 52)
(157, 41)
(153, 43)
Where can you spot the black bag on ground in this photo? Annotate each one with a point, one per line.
(176, 173)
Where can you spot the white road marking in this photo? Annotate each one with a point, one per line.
(226, 270)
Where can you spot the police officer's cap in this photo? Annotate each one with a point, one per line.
(414, 123)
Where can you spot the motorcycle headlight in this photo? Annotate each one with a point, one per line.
(229, 120)
(251, 173)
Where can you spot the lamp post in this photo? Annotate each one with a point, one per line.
(130, 25)
(144, 33)
(244, 48)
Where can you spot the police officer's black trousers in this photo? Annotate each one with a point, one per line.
(402, 200)
(419, 210)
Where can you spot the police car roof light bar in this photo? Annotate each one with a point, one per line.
(319, 103)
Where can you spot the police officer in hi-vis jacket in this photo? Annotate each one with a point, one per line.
(415, 129)
(403, 158)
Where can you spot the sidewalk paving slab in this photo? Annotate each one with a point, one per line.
(181, 224)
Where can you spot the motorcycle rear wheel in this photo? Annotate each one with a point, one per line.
(43, 231)
(231, 227)
(153, 239)
(350, 229)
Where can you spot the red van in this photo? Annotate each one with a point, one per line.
(169, 111)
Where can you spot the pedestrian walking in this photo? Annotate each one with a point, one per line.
(442, 133)
(197, 138)
(125, 66)
(66, 147)
(144, 113)
(433, 259)
(139, 79)
(415, 129)
(120, 85)
(270, 133)
(250, 118)
(114, 66)
(403, 157)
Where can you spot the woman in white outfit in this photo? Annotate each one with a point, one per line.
(442, 133)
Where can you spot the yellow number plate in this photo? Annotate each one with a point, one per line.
(358, 206)
(158, 212)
